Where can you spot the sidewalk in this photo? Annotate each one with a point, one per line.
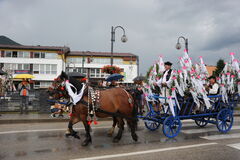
(30, 118)
(41, 118)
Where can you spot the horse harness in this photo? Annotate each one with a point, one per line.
(93, 105)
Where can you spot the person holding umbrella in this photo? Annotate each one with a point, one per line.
(24, 88)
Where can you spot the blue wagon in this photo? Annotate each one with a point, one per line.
(219, 113)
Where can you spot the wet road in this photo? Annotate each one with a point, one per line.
(47, 141)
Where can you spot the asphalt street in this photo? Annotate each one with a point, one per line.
(41, 141)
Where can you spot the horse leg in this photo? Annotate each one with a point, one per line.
(132, 124)
(120, 130)
(111, 130)
(88, 138)
(70, 131)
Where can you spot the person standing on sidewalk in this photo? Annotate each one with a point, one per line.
(24, 88)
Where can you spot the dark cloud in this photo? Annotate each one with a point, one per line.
(152, 26)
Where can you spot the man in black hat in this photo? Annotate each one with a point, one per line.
(213, 87)
(165, 79)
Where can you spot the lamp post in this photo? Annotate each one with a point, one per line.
(178, 45)
(123, 39)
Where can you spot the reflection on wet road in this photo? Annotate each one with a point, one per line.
(47, 141)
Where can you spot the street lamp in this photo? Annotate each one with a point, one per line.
(178, 45)
(123, 39)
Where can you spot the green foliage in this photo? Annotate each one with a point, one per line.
(220, 66)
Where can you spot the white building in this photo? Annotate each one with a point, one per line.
(91, 63)
(44, 62)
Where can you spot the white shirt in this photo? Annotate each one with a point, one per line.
(214, 89)
(164, 79)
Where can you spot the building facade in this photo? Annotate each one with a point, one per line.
(91, 63)
(44, 62)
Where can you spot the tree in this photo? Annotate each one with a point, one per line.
(220, 66)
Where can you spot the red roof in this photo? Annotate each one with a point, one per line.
(101, 54)
(49, 48)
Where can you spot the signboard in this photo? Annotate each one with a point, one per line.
(22, 72)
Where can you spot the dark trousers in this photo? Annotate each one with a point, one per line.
(139, 106)
(24, 104)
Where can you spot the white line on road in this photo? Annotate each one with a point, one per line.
(222, 136)
(236, 146)
(145, 152)
(48, 130)
(202, 130)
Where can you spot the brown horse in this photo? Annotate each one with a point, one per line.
(114, 102)
(56, 92)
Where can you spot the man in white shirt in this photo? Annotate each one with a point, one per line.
(165, 80)
(213, 87)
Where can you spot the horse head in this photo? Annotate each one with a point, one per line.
(57, 90)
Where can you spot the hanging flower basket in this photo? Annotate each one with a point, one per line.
(111, 69)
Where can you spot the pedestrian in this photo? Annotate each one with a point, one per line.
(24, 88)
(138, 97)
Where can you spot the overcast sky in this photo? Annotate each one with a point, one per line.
(152, 26)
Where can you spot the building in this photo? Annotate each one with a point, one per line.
(47, 62)
(90, 63)
(44, 62)
(211, 69)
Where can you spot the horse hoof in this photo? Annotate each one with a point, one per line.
(116, 140)
(76, 136)
(86, 142)
(135, 137)
(67, 135)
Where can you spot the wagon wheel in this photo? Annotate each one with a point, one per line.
(202, 122)
(171, 126)
(151, 125)
(224, 120)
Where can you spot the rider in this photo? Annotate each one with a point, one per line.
(212, 87)
(164, 81)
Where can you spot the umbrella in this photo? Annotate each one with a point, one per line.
(114, 77)
(76, 75)
(2, 72)
(139, 78)
(24, 76)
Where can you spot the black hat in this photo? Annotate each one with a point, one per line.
(168, 63)
(212, 77)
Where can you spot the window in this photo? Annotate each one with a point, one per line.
(26, 66)
(8, 54)
(45, 84)
(14, 66)
(36, 55)
(42, 55)
(35, 68)
(42, 69)
(20, 54)
(48, 68)
(53, 69)
(15, 54)
(36, 85)
(101, 60)
(117, 61)
(20, 67)
(51, 55)
(7, 66)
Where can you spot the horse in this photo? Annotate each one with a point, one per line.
(113, 102)
(56, 92)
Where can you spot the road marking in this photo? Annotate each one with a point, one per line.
(146, 152)
(49, 130)
(222, 136)
(203, 130)
(236, 146)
